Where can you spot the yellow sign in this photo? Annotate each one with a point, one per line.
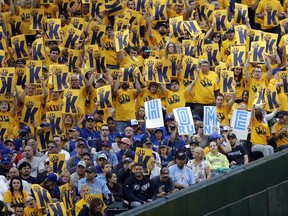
(144, 156)
(227, 84)
(57, 162)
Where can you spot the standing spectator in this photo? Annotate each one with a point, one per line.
(260, 133)
(25, 173)
(106, 149)
(238, 156)
(6, 164)
(37, 166)
(117, 143)
(163, 183)
(15, 172)
(279, 131)
(59, 142)
(88, 132)
(112, 131)
(104, 137)
(139, 189)
(75, 134)
(79, 174)
(181, 175)
(200, 167)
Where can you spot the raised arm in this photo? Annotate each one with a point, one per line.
(232, 100)
(269, 67)
(246, 66)
(192, 84)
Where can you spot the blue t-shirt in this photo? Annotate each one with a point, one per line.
(181, 176)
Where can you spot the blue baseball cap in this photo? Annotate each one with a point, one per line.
(76, 128)
(90, 118)
(84, 142)
(6, 159)
(107, 144)
(119, 134)
(214, 136)
(169, 117)
(7, 151)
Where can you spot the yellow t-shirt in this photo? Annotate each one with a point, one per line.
(146, 95)
(223, 4)
(124, 105)
(239, 88)
(109, 52)
(252, 87)
(175, 99)
(26, 21)
(282, 140)
(32, 212)
(222, 114)
(54, 105)
(16, 198)
(226, 48)
(259, 132)
(206, 84)
(281, 94)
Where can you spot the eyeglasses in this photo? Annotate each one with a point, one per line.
(104, 129)
(50, 147)
(201, 126)
(217, 36)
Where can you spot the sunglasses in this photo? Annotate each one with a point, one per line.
(217, 36)
(50, 147)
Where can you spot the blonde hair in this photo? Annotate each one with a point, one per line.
(200, 151)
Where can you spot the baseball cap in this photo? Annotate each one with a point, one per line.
(6, 159)
(76, 128)
(226, 128)
(52, 177)
(214, 136)
(91, 169)
(169, 117)
(158, 129)
(282, 113)
(109, 26)
(84, 142)
(102, 156)
(82, 163)
(127, 159)
(231, 135)
(181, 155)
(9, 140)
(126, 140)
(175, 80)
(193, 141)
(7, 151)
(45, 67)
(162, 24)
(231, 30)
(90, 118)
(163, 146)
(107, 144)
(25, 128)
(119, 134)
(148, 142)
(146, 49)
(110, 119)
(197, 117)
(133, 122)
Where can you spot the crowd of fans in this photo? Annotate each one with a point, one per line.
(100, 144)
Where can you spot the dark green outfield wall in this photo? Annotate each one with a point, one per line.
(259, 188)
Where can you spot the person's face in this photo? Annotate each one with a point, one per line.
(171, 48)
(111, 124)
(19, 211)
(20, 64)
(113, 178)
(129, 132)
(105, 131)
(180, 162)
(162, 30)
(54, 56)
(58, 141)
(51, 148)
(147, 145)
(107, 168)
(10, 145)
(163, 150)
(45, 73)
(26, 171)
(65, 178)
(200, 129)
(179, 8)
(245, 96)
(90, 124)
(62, 18)
(174, 86)
(153, 89)
(90, 175)
(74, 82)
(138, 171)
(237, 71)
(85, 9)
(110, 32)
(158, 134)
(131, 5)
(141, 111)
(55, 95)
(195, 153)
(75, 134)
(16, 184)
(216, 38)
(28, 152)
(85, 191)
(282, 119)
(81, 149)
(87, 159)
(219, 101)
(213, 147)
(133, 53)
(31, 203)
(230, 35)
(205, 67)
(232, 141)
(257, 73)
(4, 106)
(101, 83)
(31, 90)
(80, 170)
(13, 172)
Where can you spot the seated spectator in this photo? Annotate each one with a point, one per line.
(101, 158)
(14, 172)
(221, 141)
(25, 173)
(105, 167)
(31, 207)
(94, 208)
(126, 171)
(79, 174)
(139, 189)
(217, 160)
(85, 190)
(154, 169)
(181, 175)
(200, 167)
(163, 183)
(238, 156)
(11, 144)
(115, 188)
(280, 132)
(5, 165)
(50, 184)
(106, 149)
(165, 157)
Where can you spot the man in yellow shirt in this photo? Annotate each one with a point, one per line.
(176, 98)
(226, 45)
(279, 131)
(223, 109)
(206, 89)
